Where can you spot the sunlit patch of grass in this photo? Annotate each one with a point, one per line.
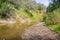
(55, 28)
(35, 15)
(21, 11)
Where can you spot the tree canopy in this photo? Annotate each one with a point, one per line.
(54, 4)
(53, 12)
(7, 6)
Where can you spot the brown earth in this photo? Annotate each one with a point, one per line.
(39, 32)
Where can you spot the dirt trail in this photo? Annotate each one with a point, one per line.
(39, 32)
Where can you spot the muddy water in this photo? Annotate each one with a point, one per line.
(7, 30)
(10, 31)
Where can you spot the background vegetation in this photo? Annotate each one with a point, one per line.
(31, 10)
(53, 15)
(25, 7)
(24, 12)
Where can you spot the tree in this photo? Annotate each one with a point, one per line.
(53, 5)
(6, 7)
(53, 12)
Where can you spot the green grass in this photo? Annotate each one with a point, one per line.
(55, 28)
(21, 11)
(35, 16)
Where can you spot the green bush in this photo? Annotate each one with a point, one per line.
(48, 20)
(6, 9)
(56, 28)
(53, 17)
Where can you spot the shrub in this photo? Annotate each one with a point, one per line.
(53, 17)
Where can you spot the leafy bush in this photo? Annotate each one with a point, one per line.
(56, 28)
(53, 17)
(6, 8)
(47, 20)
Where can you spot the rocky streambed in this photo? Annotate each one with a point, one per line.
(40, 32)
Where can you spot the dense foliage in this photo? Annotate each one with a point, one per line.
(26, 10)
(5, 8)
(54, 4)
(53, 15)
(28, 7)
(53, 12)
